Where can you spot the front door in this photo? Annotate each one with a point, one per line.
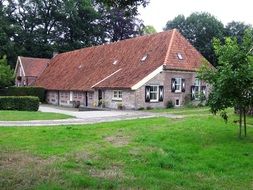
(100, 97)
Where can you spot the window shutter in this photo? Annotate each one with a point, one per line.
(173, 85)
(160, 93)
(183, 85)
(192, 92)
(203, 89)
(147, 94)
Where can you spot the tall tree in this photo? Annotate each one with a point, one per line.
(79, 25)
(119, 24)
(6, 34)
(232, 80)
(237, 30)
(6, 74)
(199, 29)
(43, 26)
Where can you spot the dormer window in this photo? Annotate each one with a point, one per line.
(144, 57)
(115, 62)
(179, 56)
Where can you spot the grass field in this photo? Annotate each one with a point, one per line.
(190, 153)
(26, 116)
(200, 112)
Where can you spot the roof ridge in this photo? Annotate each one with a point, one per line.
(112, 43)
(169, 47)
(33, 58)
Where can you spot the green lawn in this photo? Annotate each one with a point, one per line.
(190, 153)
(26, 116)
(200, 112)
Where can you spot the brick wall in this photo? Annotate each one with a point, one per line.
(131, 99)
(164, 79)
(52, 97)
(64, 98)
(128, 99)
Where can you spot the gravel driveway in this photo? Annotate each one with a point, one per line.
(84, 117)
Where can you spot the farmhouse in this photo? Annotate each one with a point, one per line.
(28, 70)
(146, 71)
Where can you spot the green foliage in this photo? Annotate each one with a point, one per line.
(232, 80)
(237, 30)
(6, 74)
(38, 28)
(20, 103)
(149, 29)
(170, 104)
(24, 91)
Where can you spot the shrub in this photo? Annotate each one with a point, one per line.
(149, 108)
(170, 104)
(20, 103)
(141, 108)
(24, 91)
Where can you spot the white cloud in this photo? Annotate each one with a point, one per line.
(158, 12)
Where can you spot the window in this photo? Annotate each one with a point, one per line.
(62, 95)
(179, 56)
(90, 95)
(117, 95)
(75, 94)
(154, 94)
(197, 88)
(177, 102)
(144, 57)
(79, 95)
(178, 87)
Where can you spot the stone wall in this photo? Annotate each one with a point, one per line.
(128, 99)
(164, 79)
(131, 99)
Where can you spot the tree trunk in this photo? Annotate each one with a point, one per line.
(244, 122)
(240, 127)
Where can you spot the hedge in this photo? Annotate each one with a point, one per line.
(20, 103)
(24, 91)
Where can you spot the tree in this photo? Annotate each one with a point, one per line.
(149, 29)
(119, 24)
(232, 80)
(237, 30)
(40, 27)
(124, 3)
(199, 29)
(6, 74)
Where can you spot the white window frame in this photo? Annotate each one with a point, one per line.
(117, 95)
(71, 95)
(157, 93)
(180, 56)
(178, 84)
(197, 83)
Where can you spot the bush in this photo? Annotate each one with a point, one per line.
(170, 104)
(20, 103)
(149, 108)
(24, 91)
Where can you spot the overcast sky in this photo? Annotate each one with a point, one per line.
(158, 12)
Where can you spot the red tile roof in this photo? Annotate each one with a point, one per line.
(34, 66)
(119, 64)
